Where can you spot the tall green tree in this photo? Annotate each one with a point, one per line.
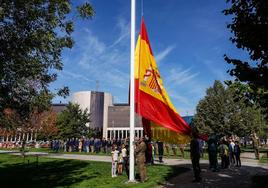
(210, 114)
(249, 26)
(72, 121)
(33, 35)
(222, 112)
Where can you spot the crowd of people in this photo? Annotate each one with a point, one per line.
(227, 148)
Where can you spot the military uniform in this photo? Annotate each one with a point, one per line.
(256, 143)
(140, 158)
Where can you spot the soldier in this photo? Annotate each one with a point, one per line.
(256, 143)
(140, 158)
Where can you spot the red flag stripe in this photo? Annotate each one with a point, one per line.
(144, 35)
(158, 112)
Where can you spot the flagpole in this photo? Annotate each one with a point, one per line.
(132, 92)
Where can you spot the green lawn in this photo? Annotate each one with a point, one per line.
(72, 173)
(264, 159)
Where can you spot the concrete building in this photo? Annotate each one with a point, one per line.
(118, 122)
(111, 119)
(97, 104)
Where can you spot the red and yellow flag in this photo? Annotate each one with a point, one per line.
(151, 99)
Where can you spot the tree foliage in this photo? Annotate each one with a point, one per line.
(250, 27)
(33, 35)
(46, 128)
(222, 112)
(72, 122)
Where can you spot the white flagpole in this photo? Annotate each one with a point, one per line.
(132, 91)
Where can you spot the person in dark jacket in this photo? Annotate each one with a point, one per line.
(237, 152)
(160, 146)
(195, 157)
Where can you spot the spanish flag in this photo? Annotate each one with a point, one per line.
(160, 119)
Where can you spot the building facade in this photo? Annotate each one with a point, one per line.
(112, 119)
(119, 121)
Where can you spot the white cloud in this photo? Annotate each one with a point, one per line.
(162, 55)
(124, 30)
(75, 76)
(179, 76)
(104, 62)
(184, 88)
(175, 96)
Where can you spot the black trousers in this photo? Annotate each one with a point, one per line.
(196, 167)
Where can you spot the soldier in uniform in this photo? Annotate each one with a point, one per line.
(140, 159)
(256, 143)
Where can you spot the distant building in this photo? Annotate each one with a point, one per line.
(118, 122)
(112, 119)
(58, 107)
(97, 103)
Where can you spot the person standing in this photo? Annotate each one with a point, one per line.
(120, 163)
(174, 148)
(148, 153)
(160, 147)
(231, 152)
(181, 146)
(86, 145)
(237, 152)
(140, 158)
(153, 152)
(104, 145)
(80, 145)
(195, 157)
(114, 153)
(223, 152)
(212, 154)
(256, 144)
(167, 148)
(125, 158)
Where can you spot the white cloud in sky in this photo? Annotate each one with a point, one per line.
(163, 54)
(184, 88)
(75, 76)
(107, 63)
(181, 99)
(179, 76)
(124, 30)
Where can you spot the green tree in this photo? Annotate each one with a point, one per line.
(33, 35)
(222, 112)
(249, 28)
(72, 122)
(211, 110)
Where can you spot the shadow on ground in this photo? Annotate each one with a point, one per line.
(245, 176)
(46, 174)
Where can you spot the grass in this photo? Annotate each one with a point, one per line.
(73, 173)
(264, 159)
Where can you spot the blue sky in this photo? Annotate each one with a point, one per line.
(188, 39)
